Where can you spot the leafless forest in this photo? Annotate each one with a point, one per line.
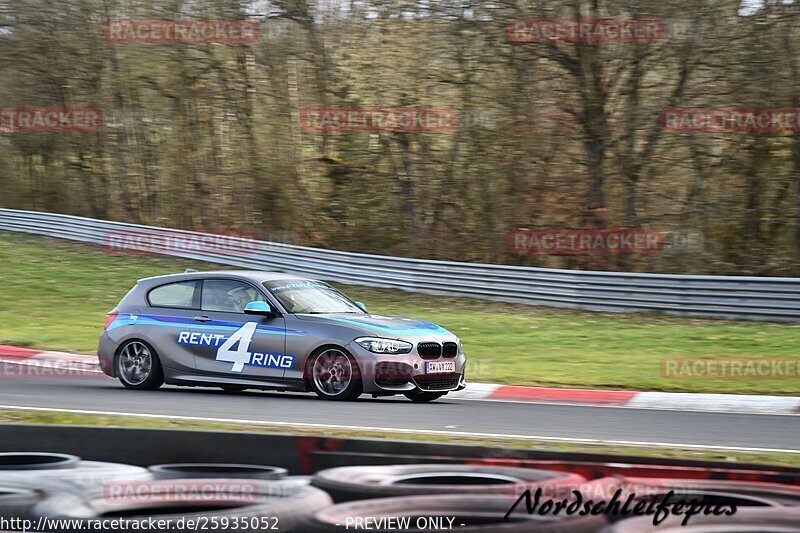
(550, 134)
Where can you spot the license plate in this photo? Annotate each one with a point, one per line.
(440, 367)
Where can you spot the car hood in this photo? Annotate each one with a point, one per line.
(390, 327)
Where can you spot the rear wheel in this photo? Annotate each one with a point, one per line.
(138, 366)
(334, 375)
(422, 397)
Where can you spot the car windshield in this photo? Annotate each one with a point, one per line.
(310, 297)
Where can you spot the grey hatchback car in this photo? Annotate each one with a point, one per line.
(243, 329)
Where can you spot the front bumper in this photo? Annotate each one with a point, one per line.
(397, 374)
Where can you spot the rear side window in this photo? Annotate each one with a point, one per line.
(180, 294)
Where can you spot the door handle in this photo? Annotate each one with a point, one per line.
(202, 318)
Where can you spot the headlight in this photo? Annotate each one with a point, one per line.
(376, 345)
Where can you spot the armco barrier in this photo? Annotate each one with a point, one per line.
(703, 296)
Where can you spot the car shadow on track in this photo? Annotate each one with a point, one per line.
(256, 394)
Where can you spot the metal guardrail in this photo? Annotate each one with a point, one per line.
(701, 296)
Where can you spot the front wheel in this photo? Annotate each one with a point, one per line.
(422, 397)
(334, 375)
(138, 366)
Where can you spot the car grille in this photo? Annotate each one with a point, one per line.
(450, 349)
(437, 382)
(429, 350)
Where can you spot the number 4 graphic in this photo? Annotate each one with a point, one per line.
(241, 355)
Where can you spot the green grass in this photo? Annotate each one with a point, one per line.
(54, 294)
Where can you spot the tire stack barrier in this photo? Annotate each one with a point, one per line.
(786, 520)
(458, 497)
(277, 502)
(482, 504)
(593, 467)
(742, 493)
(216, 470)
(306, 455)
(477, 514)
(66, 467)
(364, 482)
(69, 493)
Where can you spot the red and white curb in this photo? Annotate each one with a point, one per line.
(733, 403)
(44, 363)
(485, 391)
(680, 401)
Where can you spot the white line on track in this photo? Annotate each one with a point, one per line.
(631, 407)
(402, 431)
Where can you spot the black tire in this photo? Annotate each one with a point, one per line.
(16, 501)
(740, 493)
(18, 494)
(288, 502)
(479, 514)
(216, 470)
(350, 392)
(37, 466)
(423, 397)
(154, 374)
(763, 520)
(351, 483)
(91, 472)
(21, 462)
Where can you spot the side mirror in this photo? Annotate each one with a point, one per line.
(362, 306)
(259, 308)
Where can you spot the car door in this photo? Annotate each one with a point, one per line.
(231, 343)
(170, 313)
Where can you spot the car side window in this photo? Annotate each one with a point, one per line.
(180, 294)
(228, 296)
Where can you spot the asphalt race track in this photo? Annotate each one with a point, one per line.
(474, 417)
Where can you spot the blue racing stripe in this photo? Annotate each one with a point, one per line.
(190, 323)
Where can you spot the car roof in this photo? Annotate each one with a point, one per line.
(257, 276)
